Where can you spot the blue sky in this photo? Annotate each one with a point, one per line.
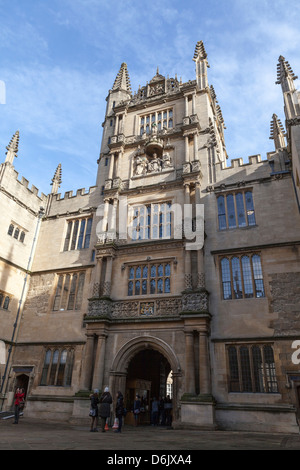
(59, 58)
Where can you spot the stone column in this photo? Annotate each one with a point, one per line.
(193, 103)
(195, 146)
(186, 106)
(111, 166)
(99, 364)
(204, 364)
(107, 282)
(116, 125)
(113, 223)
(88, 363)
(189, 363)
(186, 142)
(105, 215)
(187, 193)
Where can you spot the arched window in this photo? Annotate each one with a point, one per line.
(10, 229)
(271, 381)
(46, 368)
(58, 367)
(22, 237)
(258, 276)
(130, 288)
(236, 278)
(247, 276)
(230, 211)
(53, 367)
(221, 213)
(6, 303)
(234, 385)
(240, 209)
(226, 278)
(16, 234)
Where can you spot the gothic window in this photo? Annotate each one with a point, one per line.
(58, 367)
(149, 279)
(22, 237)
(69, 291)
(6, 303)
(153, 221)
(78, 234)
(16, 233)
(4, 300)
(10, 229)
(242, 277)
(236, 210)
(251, 369)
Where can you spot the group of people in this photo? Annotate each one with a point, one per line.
(161, 411)
(103, 410)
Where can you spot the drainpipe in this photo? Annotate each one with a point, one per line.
(16, 324)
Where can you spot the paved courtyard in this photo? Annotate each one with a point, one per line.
(32, 434)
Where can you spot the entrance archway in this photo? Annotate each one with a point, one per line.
(147, 376)
(146, 359)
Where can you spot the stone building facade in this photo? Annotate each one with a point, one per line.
(175, 273)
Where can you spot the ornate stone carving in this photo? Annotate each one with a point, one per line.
(186, 168)
(99, 308)
(188, 281)
(144, 165)
(195, 302)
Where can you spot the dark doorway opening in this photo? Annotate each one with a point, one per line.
(22, 382)
(148, 375)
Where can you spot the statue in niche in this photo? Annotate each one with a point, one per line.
(155, 164)
(166, 161)
(140, 165)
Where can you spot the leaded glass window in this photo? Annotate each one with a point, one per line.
(242, 277)
(58, 367)
(235, 210)
(69, 291)
(78, 234)
(251, 368)
(149, 279)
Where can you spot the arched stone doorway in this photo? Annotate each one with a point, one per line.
(143, 366)
(147, 376)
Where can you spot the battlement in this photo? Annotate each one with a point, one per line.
(80, 192)
(19, 187)
(239, 162)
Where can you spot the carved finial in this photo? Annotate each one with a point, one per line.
(56, 180)
(277, 132)
(122, 80)
(200, 57)
(200, 52)
(12, 148)
(285, 75)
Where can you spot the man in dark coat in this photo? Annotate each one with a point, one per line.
(119, 410)
(104, 409)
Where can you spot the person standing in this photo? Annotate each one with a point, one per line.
(104, 409)
(19, 401)
(136, 409)
(154, 412)
(119, 410)
(94, 410)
